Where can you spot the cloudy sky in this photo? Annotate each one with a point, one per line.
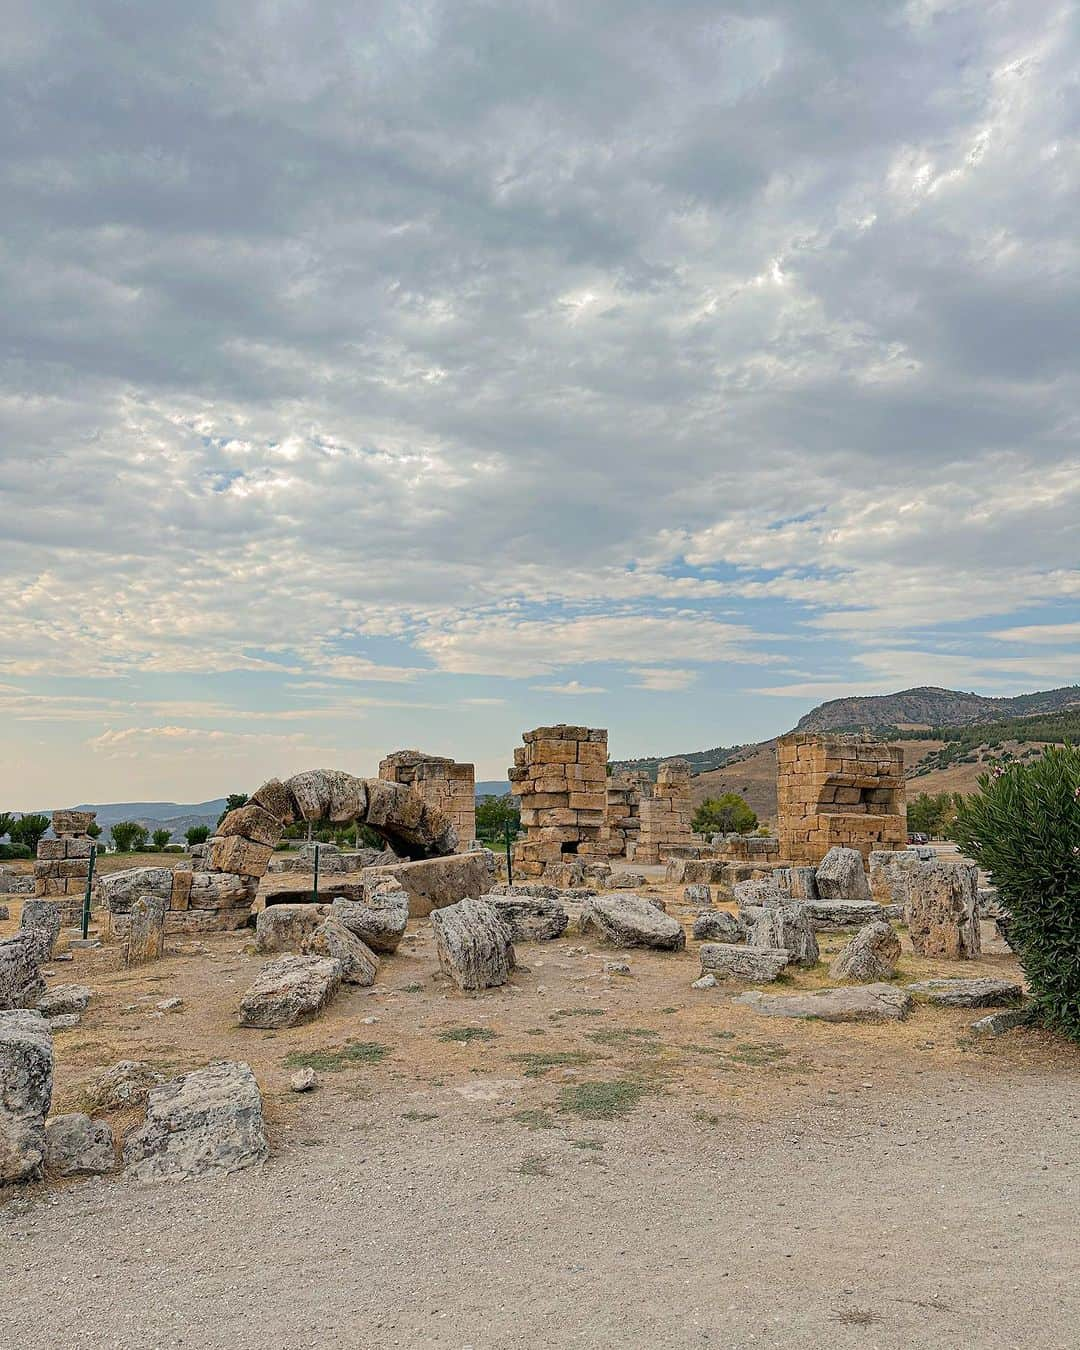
(412, 373)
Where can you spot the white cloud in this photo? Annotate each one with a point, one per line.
(571, 687)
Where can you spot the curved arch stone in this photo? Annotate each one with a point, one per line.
(247, 836)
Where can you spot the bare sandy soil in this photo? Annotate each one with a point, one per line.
(577, 1159)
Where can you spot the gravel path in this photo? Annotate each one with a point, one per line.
(946, 1218)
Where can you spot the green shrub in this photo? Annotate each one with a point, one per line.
(728, 814)
(1023, 827)
(8, 851)
(129, 836)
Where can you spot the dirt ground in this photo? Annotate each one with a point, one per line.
(577, 1159)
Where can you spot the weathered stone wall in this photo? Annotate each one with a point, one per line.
(443, 783)
(745, 848)
(63, 864)
(560, 775)
(624, 813)
(666, 810)
(839, 791)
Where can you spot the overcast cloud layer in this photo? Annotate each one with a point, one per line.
(414, 373)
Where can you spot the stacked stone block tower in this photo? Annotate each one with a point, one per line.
(443, 783)
(63, 863)
(666, 810)
(560, 776)
(624, 813)
(838, 790)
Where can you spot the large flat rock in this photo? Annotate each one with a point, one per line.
(437, 882)
(26, 1078)
(752, 965)
(858, 1003)
(631, 921)
(985, 992)
(289, 990)
(833, 916)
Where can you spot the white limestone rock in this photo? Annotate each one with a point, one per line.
(26, 1079)
(474, 946)
(289, 990)
(840, 876)
(75, 1145)
(869, 957)
(627, 920)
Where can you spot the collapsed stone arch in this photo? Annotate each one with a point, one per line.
(248, 835)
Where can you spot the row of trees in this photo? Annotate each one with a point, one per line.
(933, 815)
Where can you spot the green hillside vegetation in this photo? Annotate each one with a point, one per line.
(700, 761)
(990, 741)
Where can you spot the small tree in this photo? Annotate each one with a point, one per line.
(129, 836)
(232, 801)
(729, 814)
(6, 822)
(160, 838)
(30, 830)
(493, 814)
(1023, 827)
(197, 834)
(94, 830)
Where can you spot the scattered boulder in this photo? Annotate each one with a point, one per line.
(290, 989)
(530, 919)
(118, 891)
(705, 982)
(755, 965)
(26, 1078)
(119, 1086)
(65, 998)
(146, 931)
(853, 1003)
(616, 968)
(64, 1021)
(303, 1080)
(698, 894)
(996, 1024)
(434, 883)
(717, 925)
(76, 1145)
(210, 1120)
(890, 873)
(380, 920)
(869, 957)
(833, 916)
(978, 993)
(632, 921)
(788, 927)
(625, 881)
(21, 982)
(942, 910)
(284, 928)
(758, 894)
(798, 882)
(359, 964)
(840, 876)
(473, 944)
(43, 916)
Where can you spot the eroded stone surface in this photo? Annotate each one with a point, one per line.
(869, 957)
(210, 1120)
(833, 916)
(359, 964)
(717, 925)
(65, 998)
(788, 927)
(76, 1145)
(26, 1076)
(473, 944)
(854, 1003)
(43, 916)
(628, 920)
(283, 928)
(754, 965)
(21, 982)
(380, 920)
(942, 910)
(530, 918)
(986, 992)
(840, 876)
(290, 989)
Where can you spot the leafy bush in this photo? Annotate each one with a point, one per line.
(129, 836)
(493, 814)
(729, 814)
(9, 851)
(197, 834)
(161, 838)
(1023, 827)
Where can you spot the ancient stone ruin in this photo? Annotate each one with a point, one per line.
(444, 784)
(666, 809)
(63, 864)
(219, 894)
(624, 793)
(560, 775)
(838, 790)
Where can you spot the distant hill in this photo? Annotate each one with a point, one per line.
(173, 816)
(931, 707)
(492, 788)
(700, 761)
